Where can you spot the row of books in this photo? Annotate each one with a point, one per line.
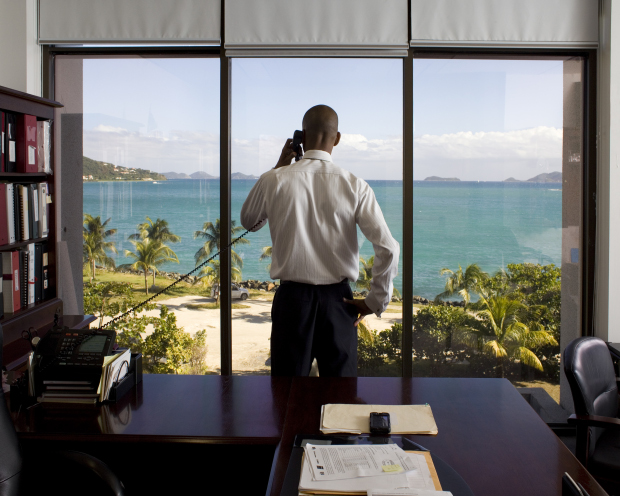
(26, 143)
(24, 212)
(25, 277)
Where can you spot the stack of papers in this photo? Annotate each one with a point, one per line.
(114, 369)
(355, 419)
(367, 469)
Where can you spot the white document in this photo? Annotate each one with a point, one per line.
(355, 419)
(364, 460)
(359, 484)
(407, 492)
(12, 151)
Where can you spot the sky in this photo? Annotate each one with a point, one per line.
(473, 119)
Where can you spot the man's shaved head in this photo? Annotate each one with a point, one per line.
(320, 123)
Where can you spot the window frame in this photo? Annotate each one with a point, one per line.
(588, 227)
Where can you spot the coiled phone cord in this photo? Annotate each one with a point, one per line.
(123, 315)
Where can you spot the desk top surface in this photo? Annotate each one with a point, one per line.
(487, 431)
(171, 408)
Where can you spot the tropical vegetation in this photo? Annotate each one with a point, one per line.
(96, 247)
(210, 233)
(365, 275)
(149, 256)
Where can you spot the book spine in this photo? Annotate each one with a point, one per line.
(24, 212)
(2, 135)
(7, 282)
(4, 228)
(10, 150)
(23, 273)
(26, 143)
(10, 211)
(38, 275)
(31, 274)
(46, 290)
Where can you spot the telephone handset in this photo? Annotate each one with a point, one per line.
(297, 137)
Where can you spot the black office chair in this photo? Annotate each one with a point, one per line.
(65, 472)
(590, 373)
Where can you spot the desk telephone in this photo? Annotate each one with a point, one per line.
(65, 354)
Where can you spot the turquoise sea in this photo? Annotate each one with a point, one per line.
(492, 224)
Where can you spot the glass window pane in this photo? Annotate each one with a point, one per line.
(269, 100)
(497, 217)
(150, 182)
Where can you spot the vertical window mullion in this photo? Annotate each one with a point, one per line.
(407, 248)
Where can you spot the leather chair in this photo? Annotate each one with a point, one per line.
(593, 383)
(65, 472)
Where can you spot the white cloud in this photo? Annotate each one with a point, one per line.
(469, 156)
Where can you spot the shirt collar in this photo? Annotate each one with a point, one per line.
(318, 155)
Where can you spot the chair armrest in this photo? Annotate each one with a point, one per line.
(96, 466)
(595, 421)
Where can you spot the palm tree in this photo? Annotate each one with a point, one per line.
(157, 231)
(365, 276)
(501, 333)
(463, 283)
(95, 246)
(265, 255)
(211, 234)
(210, 275)
(149, 255)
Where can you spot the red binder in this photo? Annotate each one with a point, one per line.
(10, 281)
(26, 143)
(4, 219)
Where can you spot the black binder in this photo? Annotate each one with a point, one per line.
(38, 272)
(46, 289)
(33, 211)
(10, 142)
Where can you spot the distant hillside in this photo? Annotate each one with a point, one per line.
(176, 175)
(201, 175)
(551, 177)
(95, 170)
(437, 178)
(239, 175)
(512, 180)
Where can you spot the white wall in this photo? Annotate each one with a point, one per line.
(607, 310)
(20, 55)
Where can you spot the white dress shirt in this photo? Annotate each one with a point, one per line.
(313, 207)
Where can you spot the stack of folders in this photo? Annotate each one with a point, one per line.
(26, 143)
(382, 469)
(24, 212)
(355, 419)
(25, 277)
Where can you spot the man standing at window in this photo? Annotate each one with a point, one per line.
(314, 207)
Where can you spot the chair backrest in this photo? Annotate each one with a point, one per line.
(10, 456)
(590, 373)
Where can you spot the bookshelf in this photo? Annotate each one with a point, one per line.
(38, 315)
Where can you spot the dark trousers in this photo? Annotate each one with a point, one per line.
(309, 322)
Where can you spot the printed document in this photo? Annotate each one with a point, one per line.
(347, 462)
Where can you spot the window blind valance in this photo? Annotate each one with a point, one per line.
(312, 24)
(544, 23)
(129, 21)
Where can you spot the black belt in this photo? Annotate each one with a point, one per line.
(344, 281)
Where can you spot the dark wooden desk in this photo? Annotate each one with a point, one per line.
(487, 432)
(171, 432)
(172, 409)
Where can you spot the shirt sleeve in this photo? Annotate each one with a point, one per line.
(254, 210)
(387, 250)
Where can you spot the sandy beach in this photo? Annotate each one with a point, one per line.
(250, 332)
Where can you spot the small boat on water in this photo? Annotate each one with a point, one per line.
(155, 182)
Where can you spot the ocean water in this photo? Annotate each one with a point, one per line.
(491, 224)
